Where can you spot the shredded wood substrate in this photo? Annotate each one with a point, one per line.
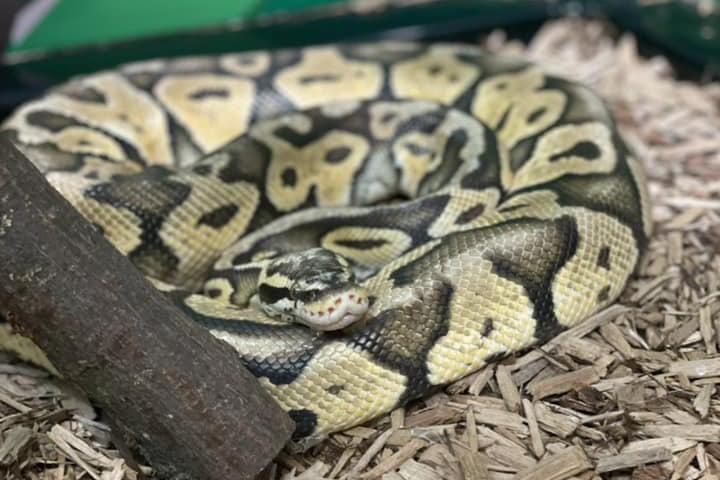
(629, 394)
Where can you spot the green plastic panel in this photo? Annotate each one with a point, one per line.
(78, 23)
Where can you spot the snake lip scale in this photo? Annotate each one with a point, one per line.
(469, 204)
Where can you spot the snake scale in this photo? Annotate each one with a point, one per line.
(481, 205)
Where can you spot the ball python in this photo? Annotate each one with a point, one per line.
(424, 208)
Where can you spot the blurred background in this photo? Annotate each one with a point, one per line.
(46, 41)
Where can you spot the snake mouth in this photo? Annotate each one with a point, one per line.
(337, 311)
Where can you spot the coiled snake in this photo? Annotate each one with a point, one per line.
(435, 206)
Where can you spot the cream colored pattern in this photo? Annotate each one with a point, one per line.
(520, 101)
(212, 121)
(433, 76)
(128, 113)
(324, 75)
(396, 242)
(552, 159)
(246, 64)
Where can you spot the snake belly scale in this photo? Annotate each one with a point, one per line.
(483, 205)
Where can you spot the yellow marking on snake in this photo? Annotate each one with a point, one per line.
(553, 157)
(129, 114)
(434, 76)
(518, 100)
(324, 75)
(213, 108)
(246, 64)
(386, 244)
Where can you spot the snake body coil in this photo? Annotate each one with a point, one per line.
(482, 205)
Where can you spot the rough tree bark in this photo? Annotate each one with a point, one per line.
(176, 395)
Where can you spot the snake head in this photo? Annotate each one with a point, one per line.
(316, 287)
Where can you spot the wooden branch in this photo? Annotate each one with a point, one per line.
(176, 395)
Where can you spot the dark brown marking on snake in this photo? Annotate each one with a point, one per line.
(99, 228)
(206, 93)
(470, 214)
(603, 259)
(289, 177)
(51, 121)
(603, 294)
(153, 257)
(270, 294)
(418, 150)
(295, 138)
(327, 78)
(434, 70)
(367, 244)
(585, 149)
(388, 117)
(219, 217)
(83, 93)
(503, 120)
(213, 292)
(337, 155)
(143, 80)
(452, 159)
(248, 161)
(512, 208)
(335, 389)
(488, 327)
(305, 422)
(203, 170)
(536, 114)
(454, 146)
(488, 173)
